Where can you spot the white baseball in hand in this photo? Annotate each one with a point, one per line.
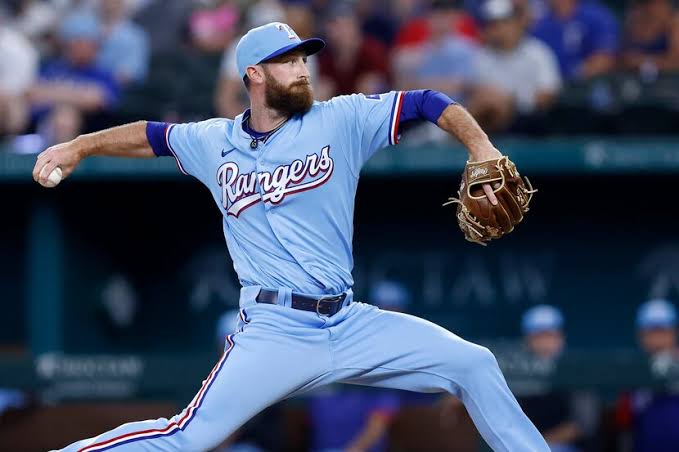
(53, 179)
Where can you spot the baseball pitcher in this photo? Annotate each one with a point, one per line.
(284, 176)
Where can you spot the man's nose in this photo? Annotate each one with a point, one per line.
(304, 72)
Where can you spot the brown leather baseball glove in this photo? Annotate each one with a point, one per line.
(481, 221)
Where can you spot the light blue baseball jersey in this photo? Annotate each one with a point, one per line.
(288, 205)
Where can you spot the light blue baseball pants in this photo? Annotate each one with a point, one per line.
(279, 352)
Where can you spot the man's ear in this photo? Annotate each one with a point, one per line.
(255, 74)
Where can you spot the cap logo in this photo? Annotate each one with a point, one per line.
(286, 29)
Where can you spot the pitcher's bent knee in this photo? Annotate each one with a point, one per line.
(471, 362)
(486, 358)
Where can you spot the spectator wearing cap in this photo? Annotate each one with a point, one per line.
(583, 35)
(651, 36)
(71, 87)
(124, 46)
(657, 327)
(518, 75)
(554, 412)
(18, 70)
(653, 416)
(542, 328)
(352, 61)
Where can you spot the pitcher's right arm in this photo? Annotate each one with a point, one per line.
(129, 140)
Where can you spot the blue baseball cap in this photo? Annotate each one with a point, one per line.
(541, 318)
(80, 25)
(656, 314)
(269, 41)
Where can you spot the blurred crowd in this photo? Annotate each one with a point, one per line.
(68, 66)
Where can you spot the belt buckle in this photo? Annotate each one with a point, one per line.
(332, 299)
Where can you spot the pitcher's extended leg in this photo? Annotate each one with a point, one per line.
(258, 368)
(394, 350)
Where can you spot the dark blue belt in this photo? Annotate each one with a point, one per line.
(323, 305)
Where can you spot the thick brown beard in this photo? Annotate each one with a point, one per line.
(291, 100)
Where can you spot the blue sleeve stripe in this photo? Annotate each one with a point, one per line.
(155, 134)
(174, 154)
(395, 118)
(425, 105)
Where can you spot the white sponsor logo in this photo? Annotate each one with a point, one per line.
(57, 365)
(240, 191)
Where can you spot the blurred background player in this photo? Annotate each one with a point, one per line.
(657, 329)
(558, 414)
(652, 416)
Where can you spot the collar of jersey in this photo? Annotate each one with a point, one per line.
(245, 124)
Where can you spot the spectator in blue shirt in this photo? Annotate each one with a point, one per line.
(582, 34)
(125, 46)
(71, 87)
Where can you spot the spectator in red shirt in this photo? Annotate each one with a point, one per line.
(352, 62)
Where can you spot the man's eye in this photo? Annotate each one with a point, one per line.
(304, 59)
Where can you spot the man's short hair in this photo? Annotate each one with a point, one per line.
(246, 81)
